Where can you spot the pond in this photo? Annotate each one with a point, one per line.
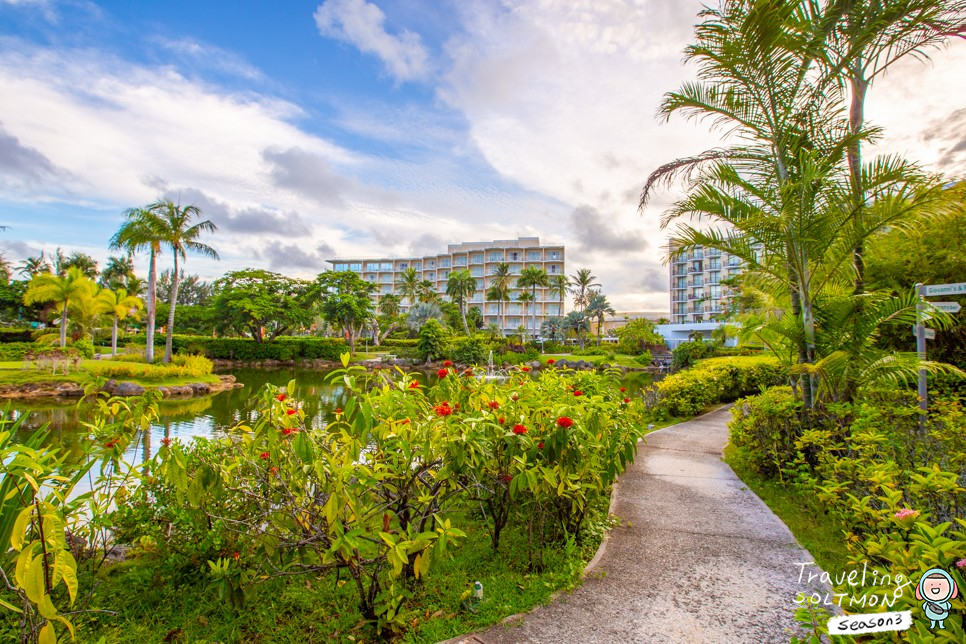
(212, 415)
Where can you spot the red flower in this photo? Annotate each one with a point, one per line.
(448, 363)
(443, 409)
(564, 421)
(493, 404)
(280, 397)
(291, 430)
(263, 456)
(457, 406)
(273, 470)
(468, 373)
(502, 420)
(442, 373)
(236, 556)
(578, 392)
(111, 444)
(540, 445)
(165, 441)
(506, 478)
(514, 397)
(524, 368)
(627, 400)
(623, 389)
(338, 410)
(290, 412)
(551, 361)
(414, 385)
(519, 429)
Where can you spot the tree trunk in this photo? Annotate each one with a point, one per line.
(169, 336)
(114, 339)
(151, 305)
(856, 119)
(63, 326)
(466, 327)
(534, 294)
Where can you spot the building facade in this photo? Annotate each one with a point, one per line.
(480, 259)
(697, 294)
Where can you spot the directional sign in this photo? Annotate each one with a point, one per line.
(948, 307)
(930, 334)
(932, 290)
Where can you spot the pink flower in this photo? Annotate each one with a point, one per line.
(906, 512)
(564, 421)
(519, 429)
(961, 563)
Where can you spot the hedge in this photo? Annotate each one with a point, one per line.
(718, 380)
(284, 348)
(399, 342)
(15, 335)
(12, 351)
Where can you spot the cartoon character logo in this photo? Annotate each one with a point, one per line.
(936, 588)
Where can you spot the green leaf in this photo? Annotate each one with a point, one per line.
(47, 634)
(9, 606)
(20, 528)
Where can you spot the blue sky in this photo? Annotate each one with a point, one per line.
(311, 130)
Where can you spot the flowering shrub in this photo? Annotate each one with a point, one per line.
(717, 380)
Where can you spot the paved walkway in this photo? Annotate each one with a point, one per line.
(698, 557)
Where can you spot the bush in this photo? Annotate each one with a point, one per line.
(431, 344)
(13, 351)
(15, 335)
(687, 353)
(592, 351)
(472, 351)
(399, 342)
(717, 380)
(84, 347)
(182, 366)
(246, 349)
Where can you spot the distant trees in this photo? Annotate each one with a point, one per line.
(533, 277)
(461, 286)
(60, 291)
(262, 304)
(344, 301)
(119, 305)
(598, 307)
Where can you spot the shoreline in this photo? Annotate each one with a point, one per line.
(60, 390)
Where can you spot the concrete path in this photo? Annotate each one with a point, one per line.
(698, 557)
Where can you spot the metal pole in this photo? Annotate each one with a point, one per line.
(921, 353)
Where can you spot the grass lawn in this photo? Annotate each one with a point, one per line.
(13, 373)
(803, 515)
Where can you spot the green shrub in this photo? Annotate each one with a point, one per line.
(182, 366)
(687, 353)
(644, 358)
(717, 380)
(592, 351)
(399, 342)
(432, 340)
(16, 335)
(84, 347)
(13, 351)
(472, 351)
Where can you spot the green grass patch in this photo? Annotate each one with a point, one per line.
(146, 375)
(804, 516)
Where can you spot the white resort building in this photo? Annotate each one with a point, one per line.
(479, 258)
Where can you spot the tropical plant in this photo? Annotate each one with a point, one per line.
(553, 329)
(461, 286)
(524, 298)
(559, 286)
(181, 235)
(577, 323)
(77, 259)
(598, 307)
(117, 273)
(262, 304)
(500, 280)
(409, 285)
(533, 277)
(582, 284)
(141, 230)
(33, 266)
(389, 305)
(431, 340)
(422, 312)
(61, 291)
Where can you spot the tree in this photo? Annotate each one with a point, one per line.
(77, 259)
(427, 293)
(119, 305)
(598, 307)
(409, 285)
(431, 340)
(524, 298)
(118, 272)
(344, 301)
(421, 313)
(61, 291)
(180, 235)
(637, 336)
(192, 290)
(6, 270)
(577, 323)
(494, 294)
(559, 286)
(581, 285)
(33, 266)
(142, 230)
(533, 277)
(389, 305)
(259, 303)
(500, 288)
(461, 286)
(553, 329)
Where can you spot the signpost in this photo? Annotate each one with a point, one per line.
(923, 334)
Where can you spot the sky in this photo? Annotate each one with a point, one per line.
(309, 131)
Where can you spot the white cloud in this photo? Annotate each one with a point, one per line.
(362, 24)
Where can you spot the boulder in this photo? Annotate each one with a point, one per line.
(128, 389)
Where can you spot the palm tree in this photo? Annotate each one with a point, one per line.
(553, 328)
(83, 261)
(420, 313)
(34, 266)
(533, 276)
(120, 305)
(117, 272)
(559, 286)
(179, 234)
(389, 305)
(581, 285)
(47, 287)
(500, 280)
(525, 298)
(408, 285)
(6, 269)
(598, 307)
(461, 286)
(427, 293)
(141, 231)
(577, 323)
(865, 39)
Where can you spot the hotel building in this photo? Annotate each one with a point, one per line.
(697, 294)
(479, 258)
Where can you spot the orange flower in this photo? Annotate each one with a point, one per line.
(280, 397)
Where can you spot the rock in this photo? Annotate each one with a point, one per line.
(128, 389)
(110, 386)
(69, 390)
(198, 388)
(534, 364)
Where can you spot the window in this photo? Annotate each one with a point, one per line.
(401, 266)
(431, 263)
(459, 261)
(444, 275)
(372, 266)
(554, 269)
(714, 278)
(533, 255)
(418, 266)
(476, 271)
(385, 278)
(341, 267)
(514, 256)
(385, 266)
(355, 267)
(496, 256)
(476, 258)
(444, 263)
(698, 281)
(553, 255)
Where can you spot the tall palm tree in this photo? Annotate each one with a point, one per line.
(461, 286)
(427, 293)
(598, 307)
(525, 298)
(389, 305)
(34, 265)
(119, 305)
(181, 236)
(533, 277)
(581, 285)
(142, 230)
(117, 272)
(62, 291)
(559, 286)
(865, 39)
(501, 278)
(408, 285)
(494, 294)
